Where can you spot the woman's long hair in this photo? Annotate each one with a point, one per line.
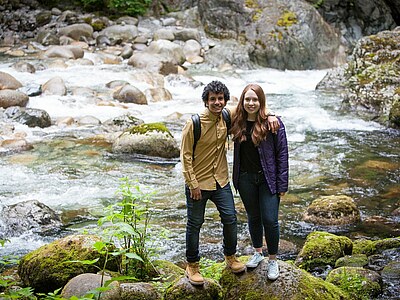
(260, 128)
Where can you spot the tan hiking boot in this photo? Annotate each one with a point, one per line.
(234, 264)
(193, 274)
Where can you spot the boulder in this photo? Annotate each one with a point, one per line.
(129, 94)
(9, 98)
(31, 216)
(8, 82)
(358, 282)
(81, 285)
(183, 289)
(77, 31)
(31, 117)
(332, 210)
(51, 266)
(292, 283)
(152, 139)
(54, 86)
(322, 249)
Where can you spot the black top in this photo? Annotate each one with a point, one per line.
(249, 156)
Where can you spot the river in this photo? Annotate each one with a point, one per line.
(331, 152)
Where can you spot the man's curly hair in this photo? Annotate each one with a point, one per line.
(216, 87)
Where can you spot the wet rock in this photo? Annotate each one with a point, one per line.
(77, 31)
(332, 210)
(152, 139)
(23, 66)
(158, 94)
(120, 33)
(10, 98)
(67, 51)
(122, 123)
(8, 82)
(54, 86)
(31, 216)
(31, 117)
(130, 94)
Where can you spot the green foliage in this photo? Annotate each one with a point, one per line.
(318, 3)
(144, 128)
(211, 269)
(126, 226)
(353, 284)
(128, 7)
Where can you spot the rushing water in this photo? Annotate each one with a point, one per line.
(331, 152)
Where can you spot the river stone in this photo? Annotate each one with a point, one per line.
(82, 284)
(322, 249)
(76, 31)
(51, 266)
(54, 86)
(9, 98)
(30, 215)
(31, 117)
(292, 283)
(147, 139)
(67, 51)
(332, 210)
(23, 66)
(130, 94)
(158, 94)
(120, 33)
(8, 82)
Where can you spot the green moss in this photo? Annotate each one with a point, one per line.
(145, 128)
(389, 243)
(354, 282)
(314, 288)
(287, 19)
(356, 260)
(318, 3)
(321, 249)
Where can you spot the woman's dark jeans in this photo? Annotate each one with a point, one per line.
(262, 210)
(223, 199)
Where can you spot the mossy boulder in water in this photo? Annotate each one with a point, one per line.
(332, 210)
(152, 139)
(293, 283)
(358, 282)
(50, 267)
(322, 249)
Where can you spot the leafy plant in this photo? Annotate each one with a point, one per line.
(126, 226)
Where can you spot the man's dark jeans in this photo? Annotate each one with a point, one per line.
(262, 210)
(223, 199)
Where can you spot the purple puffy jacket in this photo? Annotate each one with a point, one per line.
(274, 161)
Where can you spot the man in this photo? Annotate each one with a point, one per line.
(206, 176)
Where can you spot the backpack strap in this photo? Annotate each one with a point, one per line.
(196, 131)
(197, 126)
(227, 118)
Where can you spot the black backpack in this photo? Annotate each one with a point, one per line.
(197, 126)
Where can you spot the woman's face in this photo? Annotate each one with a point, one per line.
(251, 104)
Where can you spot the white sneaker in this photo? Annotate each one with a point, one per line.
(255, 260)
(273, 269)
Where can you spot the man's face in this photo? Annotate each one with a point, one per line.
(216, 103)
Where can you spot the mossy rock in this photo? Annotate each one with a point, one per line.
(333, 210)
(50, 267)
(151, 139)
(293, 283)
(358, 283)
(389, 243)
(322, 249)
(168, 271)
(364, 246)
(183, 289)
(356, 260)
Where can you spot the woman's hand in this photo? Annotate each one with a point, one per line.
(273, 124)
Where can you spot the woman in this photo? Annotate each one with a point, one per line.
(260, 173)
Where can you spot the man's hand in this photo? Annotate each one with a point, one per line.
(195, 194)
(273, 124)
